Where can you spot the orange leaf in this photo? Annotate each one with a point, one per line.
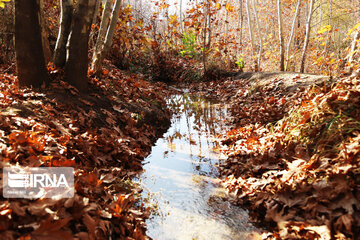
(105, 71)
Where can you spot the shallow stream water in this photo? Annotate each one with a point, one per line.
(180, 177)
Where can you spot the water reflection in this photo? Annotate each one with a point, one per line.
(181, 178)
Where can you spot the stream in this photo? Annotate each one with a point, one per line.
(180, 178)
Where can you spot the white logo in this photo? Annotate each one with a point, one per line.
(36, 180)
(46, 182)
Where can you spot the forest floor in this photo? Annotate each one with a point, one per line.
(104, 135)
(293, 157)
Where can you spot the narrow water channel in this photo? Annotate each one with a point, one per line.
(180, 177)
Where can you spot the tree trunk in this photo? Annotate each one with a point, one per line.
(209, 26)
(108, 38)
(226, 22)
(44, 35)
(64, 31)
(209, 30)
(226, 33)
(93, 22)
(328, 39)
(307, 36)
(259, 35)
(30, 60)
(354, 44)
(281, 35)
(97, 6)
(111, 30)
(206, 13)
(292, 32)
(77, 47)
(181, 17)
(297, 39)
(96, 59)
(251, 33)
(241, 18)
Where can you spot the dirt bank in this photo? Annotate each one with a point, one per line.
(294, 157)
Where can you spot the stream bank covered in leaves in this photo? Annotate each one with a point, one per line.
(104, 135)
(293, 158)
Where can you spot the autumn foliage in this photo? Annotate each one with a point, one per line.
(293, 159)
(104, 135)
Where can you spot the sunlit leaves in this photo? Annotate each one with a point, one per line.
(2, 3)
(324, 29)
(230, 8)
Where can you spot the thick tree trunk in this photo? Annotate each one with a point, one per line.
(64, 31)
(30, 61)
(292, 32)
(44, 35)
(307, 36)
(77, 47)
(96, 58)
(281, 35)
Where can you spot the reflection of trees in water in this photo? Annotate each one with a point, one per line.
(203, 119)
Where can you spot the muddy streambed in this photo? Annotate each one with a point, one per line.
(180, 178)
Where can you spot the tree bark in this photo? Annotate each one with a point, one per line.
(209, 30)
(44, 35)
(29, 52)
(226, 21)
(206, 13)
(96, 58)
(297, 39)
(259, 34)
(111, 30)
(241, 18)
(108, 38)
(281, 35)
(64, 31)
(307, 36)
(93, 22)
(328, 39)
(77, 47)
(97, 6)
(251, 33)
(226, 32)
(180, 17)
(356, 38)
(292, 32)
